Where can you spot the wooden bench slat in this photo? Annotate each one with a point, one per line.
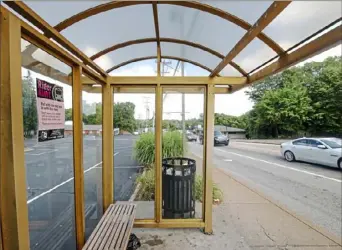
(125, 227)
(112, 221)
(125, 239)
(114, 228)
(119, 225)
(98, 229)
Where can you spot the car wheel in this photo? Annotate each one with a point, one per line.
(289, 156)
(339, 164)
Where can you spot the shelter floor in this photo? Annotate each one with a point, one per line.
(245, 220)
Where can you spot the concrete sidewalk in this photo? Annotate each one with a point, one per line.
(245, 220)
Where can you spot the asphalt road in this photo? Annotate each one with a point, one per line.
(50, 189)
(311, 191)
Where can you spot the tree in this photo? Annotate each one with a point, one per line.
(124, 116)
(317, 83)
(29, 105)
(285, 109)
(68, 114)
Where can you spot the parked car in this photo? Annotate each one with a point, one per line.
(219, 139)
(191, 137)
(324, 151)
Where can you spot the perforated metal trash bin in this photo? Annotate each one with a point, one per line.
(178, 188)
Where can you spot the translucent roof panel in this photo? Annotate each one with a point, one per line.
(230, 71)
(112, 27)
(250, 11)
(142, 68)
(199, 27)
(127, 53)
(190, 53)
(56, 11)
(255, 54)
(301, 19)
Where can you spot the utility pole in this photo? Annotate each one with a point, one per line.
(147, 107)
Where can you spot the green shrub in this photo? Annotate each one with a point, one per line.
(144, 150)
(146, 192)
(146, 181)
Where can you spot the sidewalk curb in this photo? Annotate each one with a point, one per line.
(284, 208)
(254, 142)
(136, 190)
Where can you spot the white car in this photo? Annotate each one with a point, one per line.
(324, 151)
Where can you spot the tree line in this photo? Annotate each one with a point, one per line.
(300, 101)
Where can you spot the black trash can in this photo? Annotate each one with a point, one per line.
(178, 188)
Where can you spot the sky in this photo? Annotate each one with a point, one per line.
(297, 21)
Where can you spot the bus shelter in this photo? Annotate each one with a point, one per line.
(235, 44)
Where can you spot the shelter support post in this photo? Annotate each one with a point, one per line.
(14, 212)
(107, 146)
(158, 153)
(78, 155)
(208, 155)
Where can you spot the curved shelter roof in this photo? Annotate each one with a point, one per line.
(224, 38)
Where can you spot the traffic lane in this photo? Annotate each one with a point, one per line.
(273, 153)
(317, 199)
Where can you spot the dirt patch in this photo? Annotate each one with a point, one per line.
(154, 242)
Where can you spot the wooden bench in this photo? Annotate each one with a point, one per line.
(114, 228)
(56, 235)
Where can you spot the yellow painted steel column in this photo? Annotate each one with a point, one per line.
(107, 146)
(78, 155)
(14, 212)
(208, 155)
(158, 153)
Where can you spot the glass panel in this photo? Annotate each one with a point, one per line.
(134, 149)
(248, 11)
(199, 27)
(182, 186)
(128, 53)
(255, 54)
(301, 19)
(193, 54)
(41, 62)
(108, 28)
(230, 71)
(142, 68)
(92, 156)
(48, 158)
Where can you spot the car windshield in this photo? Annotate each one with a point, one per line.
(332, 143)
(217, 133)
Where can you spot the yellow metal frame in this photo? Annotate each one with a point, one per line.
(13, 207)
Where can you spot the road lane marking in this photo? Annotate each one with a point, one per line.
(227, 160)
(63, 183)
(283, 166)
(48, 152)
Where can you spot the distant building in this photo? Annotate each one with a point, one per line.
(87, 129)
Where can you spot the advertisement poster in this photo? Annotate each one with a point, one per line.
(50, 109)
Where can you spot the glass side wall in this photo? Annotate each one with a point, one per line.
(47, 93)
(92, 157)
(182, 152)
(134, 149)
